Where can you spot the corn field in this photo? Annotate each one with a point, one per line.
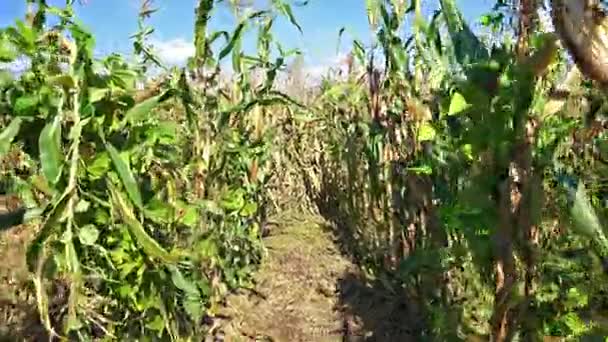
(466, 168)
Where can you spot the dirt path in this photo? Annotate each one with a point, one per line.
(307, 291)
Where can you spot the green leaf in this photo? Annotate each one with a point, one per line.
(426, 132)
(467, 47)
(51, 157)
(422, 169)
(285, 9)
(25, 105)
(100, 165)
(150, 246)
(249, 209)
(194, 307)
(88, 235)
(234, 40)
(8, 52)
(126, 176)
(458, 104)
(157, 324)
(97, 94)
(159, 211)
(182, 283)
(140, 111)
(234, 200)
(8, 134)
(6, 78)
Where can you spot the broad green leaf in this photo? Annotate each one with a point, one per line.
(8, 134)
(26, 105)
(126, 176)
(194, 307)
(97, 94)
(140, 111)
(53, 214)
(234, 200)
(8, 51)
(422, 169)
(159, 211)
(51, 157)
(182, 283)
(458, 104)
(150, 246)
(100, 165)
(426, 132)
(249, 209)
(88, 235)
(157, 324)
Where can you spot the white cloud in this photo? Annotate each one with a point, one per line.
(174, 51)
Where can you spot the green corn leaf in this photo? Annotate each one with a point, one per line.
(140, 111)
(467, 47)
(372, 8)
(234, 40)
(126, 176)
(285, 9)
(51, 157)
(8, 134)
(150, 246)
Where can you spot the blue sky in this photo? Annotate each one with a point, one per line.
(113, 21)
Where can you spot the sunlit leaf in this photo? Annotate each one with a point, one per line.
(150, 246)
(51, 156)
(126, 176)
(88, 235)
(458, 104)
